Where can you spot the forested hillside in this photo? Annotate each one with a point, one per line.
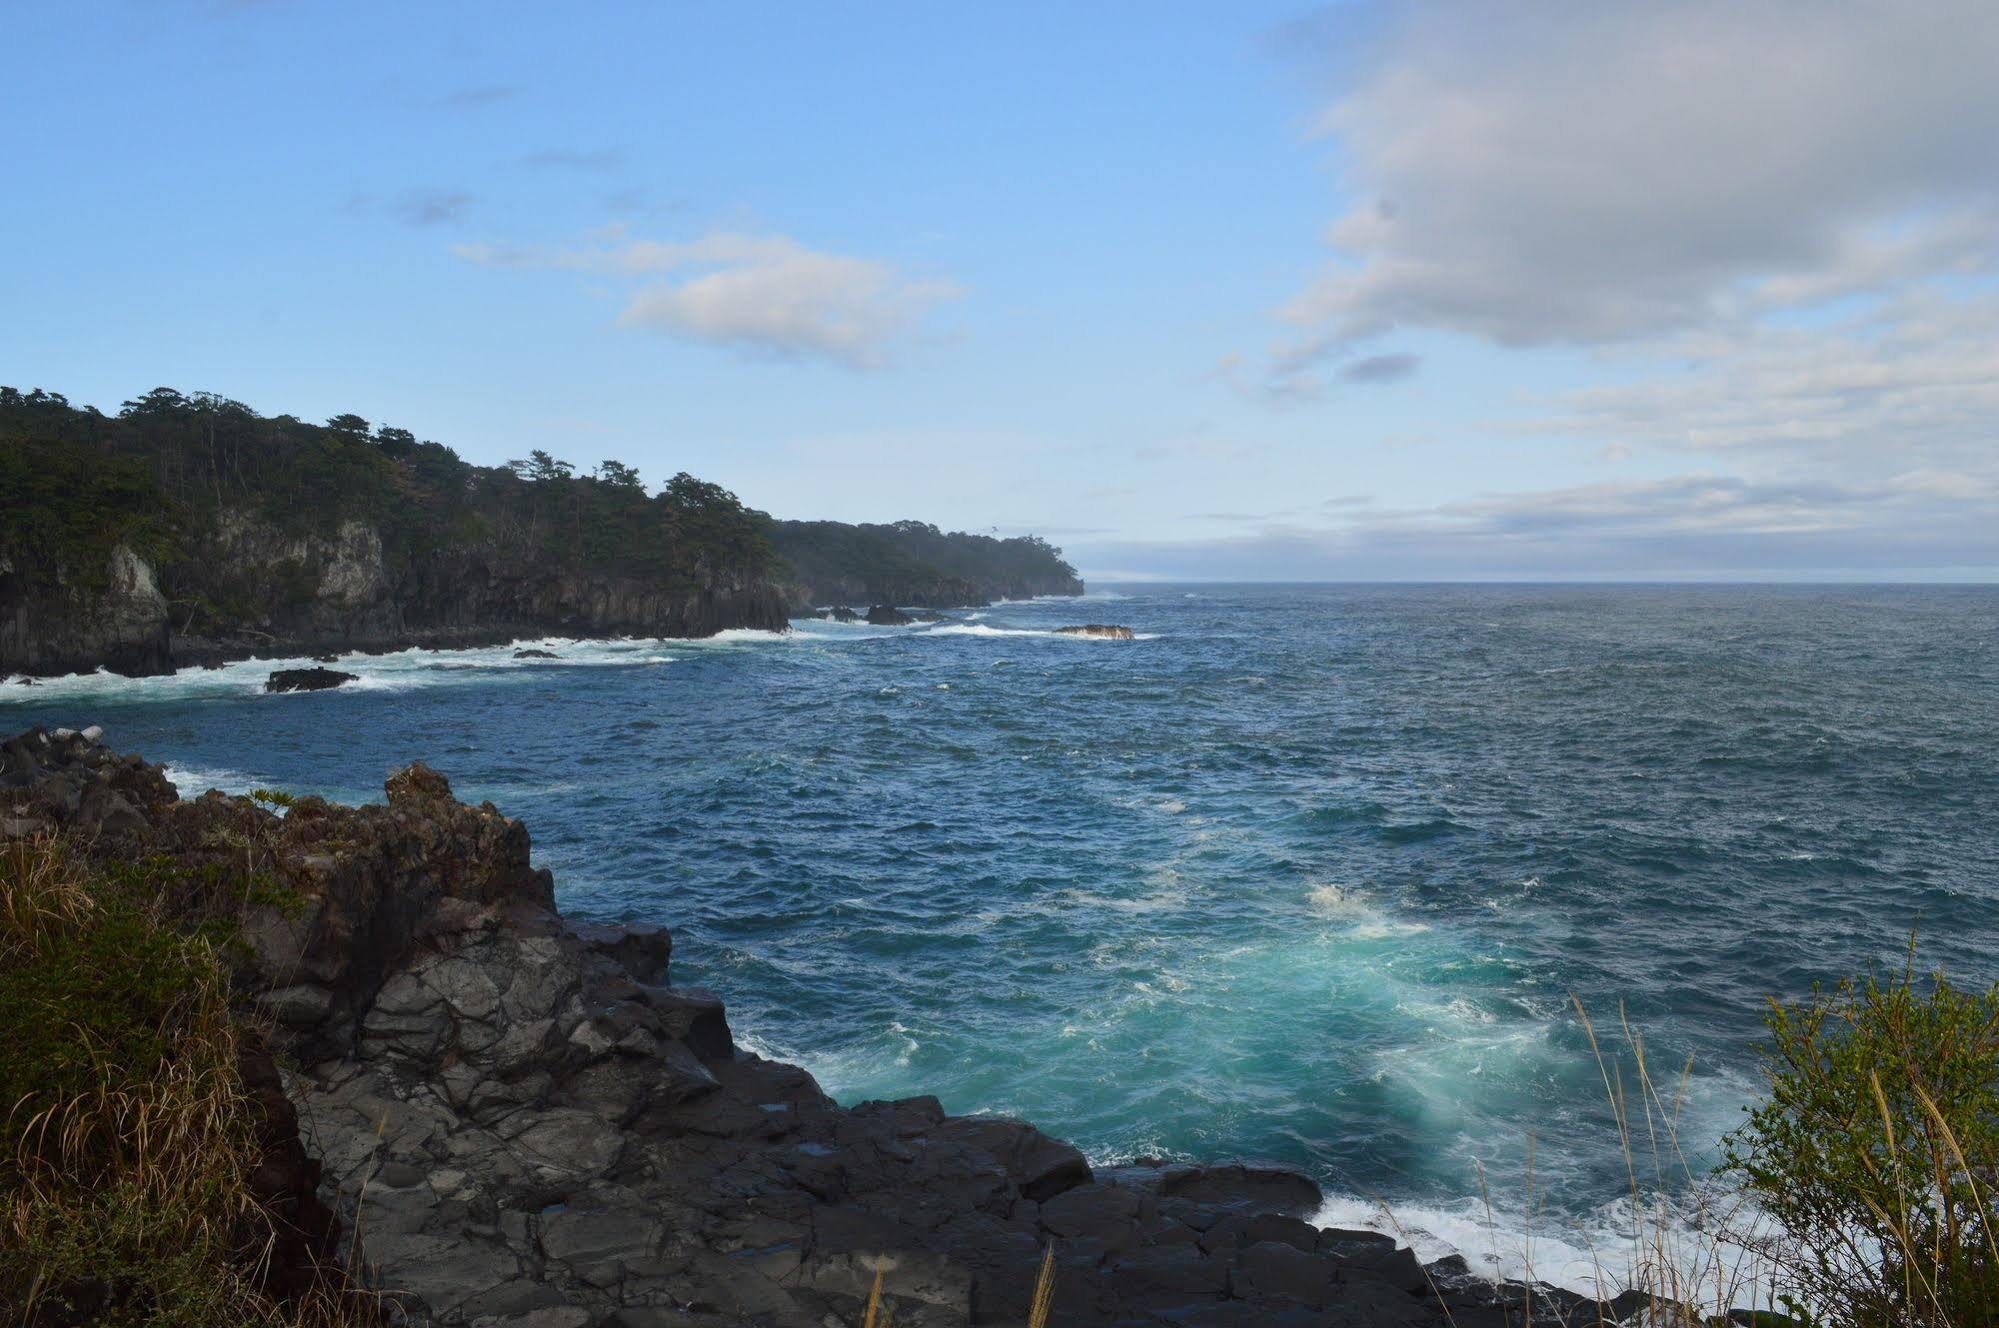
(187, 528)
(913, 563)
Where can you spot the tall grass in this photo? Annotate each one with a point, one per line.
(1862, 1192)
(127, 1135)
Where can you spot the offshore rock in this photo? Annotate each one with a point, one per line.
(1107, 631)
(528, 1126)
(307, 680)
(887, 615)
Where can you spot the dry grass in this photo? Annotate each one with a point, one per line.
(880, 1313)
(127, 1136)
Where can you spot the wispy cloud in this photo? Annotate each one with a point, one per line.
(765, 295)
(1691, 525)
(471, 98)
(433, 207)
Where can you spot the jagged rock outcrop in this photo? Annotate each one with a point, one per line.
(1104, 631)
(525, 1124)
(887, 615)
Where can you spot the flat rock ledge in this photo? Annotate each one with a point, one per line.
(523, 1123)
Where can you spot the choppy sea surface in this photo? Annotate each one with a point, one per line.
(1317, 874)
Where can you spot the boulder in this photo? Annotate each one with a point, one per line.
(1106, 631)
(307, 680)
(536, 654)
(887, 615)
(844, 615)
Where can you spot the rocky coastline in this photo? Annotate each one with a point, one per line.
(308, 596)
(498, 1116)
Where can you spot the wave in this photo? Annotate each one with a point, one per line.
(191, 781)
(392, 671)
(1598, 1255)
(986, 629)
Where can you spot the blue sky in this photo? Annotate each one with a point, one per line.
(1198, 290)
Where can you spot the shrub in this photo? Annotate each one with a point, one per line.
(1876, 1153)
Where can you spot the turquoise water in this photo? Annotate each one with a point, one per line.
(1305, 873)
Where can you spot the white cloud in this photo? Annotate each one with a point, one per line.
(761, 294)
(1691, 525)
(1576, 171)
(1911, 382)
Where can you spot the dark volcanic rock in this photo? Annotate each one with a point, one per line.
(530, 1128)
(1108, 631)
(887, 615)
(536, 654)
(845, 615)
(307, 680)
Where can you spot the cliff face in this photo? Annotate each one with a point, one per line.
(308, 593)
(252, 588)
(117, 620)
(527, 1125)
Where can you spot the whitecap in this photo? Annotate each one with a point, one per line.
(191, 781)
(1594, 1255)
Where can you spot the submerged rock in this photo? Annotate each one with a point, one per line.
(307, 680)
(1108, 631)
(536, 654)
(887, 615)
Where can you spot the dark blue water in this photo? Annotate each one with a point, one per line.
(1309, 873)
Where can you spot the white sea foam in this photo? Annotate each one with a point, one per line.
(191, 781)
(1596, 1256)
(986, 629)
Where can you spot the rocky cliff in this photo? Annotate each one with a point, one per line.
(523, 1122)
(271, 592)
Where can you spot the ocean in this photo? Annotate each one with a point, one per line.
(1314, 874)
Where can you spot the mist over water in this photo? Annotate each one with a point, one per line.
(1306, 873)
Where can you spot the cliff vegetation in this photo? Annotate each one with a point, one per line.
(914, 563)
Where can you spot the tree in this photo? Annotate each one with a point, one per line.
(353, 426)
(541, 468)
(618, 475)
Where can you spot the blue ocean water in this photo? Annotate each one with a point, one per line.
(1309, 873)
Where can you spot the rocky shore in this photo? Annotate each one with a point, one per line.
(306, 595)
(504, 1117)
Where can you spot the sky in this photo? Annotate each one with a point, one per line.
(1574, 289)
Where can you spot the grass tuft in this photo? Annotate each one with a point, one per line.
(127, 1135)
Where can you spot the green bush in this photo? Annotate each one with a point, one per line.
(1876, 1154)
